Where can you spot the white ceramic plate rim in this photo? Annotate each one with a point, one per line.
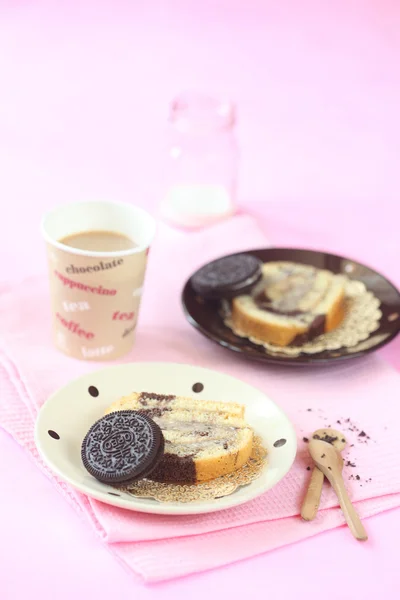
(149, 505)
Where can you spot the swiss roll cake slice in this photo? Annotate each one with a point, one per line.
(203, 439)
(292, 304)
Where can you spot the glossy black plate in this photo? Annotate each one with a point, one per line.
(204, 315)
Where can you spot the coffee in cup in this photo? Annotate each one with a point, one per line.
(97, 255)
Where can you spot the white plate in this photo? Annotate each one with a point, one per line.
(72, 410)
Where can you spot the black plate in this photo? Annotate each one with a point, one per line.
(204, 315)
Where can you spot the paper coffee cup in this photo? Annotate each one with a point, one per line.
(95, 296)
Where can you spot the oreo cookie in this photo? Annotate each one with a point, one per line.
(122, 447)
(227, 277)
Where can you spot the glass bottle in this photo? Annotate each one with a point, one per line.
(202, 161)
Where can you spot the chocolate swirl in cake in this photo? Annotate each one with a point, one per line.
(287, 291)
(292, 304)
(203, 439)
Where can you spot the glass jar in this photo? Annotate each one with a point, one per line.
(202, 160)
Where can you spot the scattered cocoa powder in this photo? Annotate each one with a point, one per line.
(347, 425)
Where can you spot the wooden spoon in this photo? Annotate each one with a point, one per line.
(312, 498)
(329, 462)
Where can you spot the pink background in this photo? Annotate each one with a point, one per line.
(84, 94)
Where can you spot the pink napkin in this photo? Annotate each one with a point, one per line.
(160, 547)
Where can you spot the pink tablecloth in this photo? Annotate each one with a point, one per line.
(84, 88)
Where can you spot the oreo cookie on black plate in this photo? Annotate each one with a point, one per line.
(227, 277)
(122, 447)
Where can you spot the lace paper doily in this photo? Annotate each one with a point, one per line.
(209, 490)
(362, 316)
